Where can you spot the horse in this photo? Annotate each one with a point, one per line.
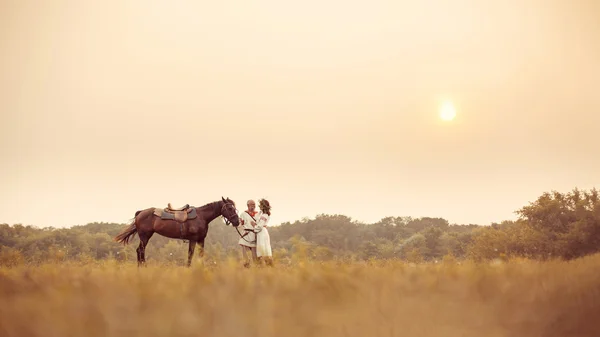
(186, 223)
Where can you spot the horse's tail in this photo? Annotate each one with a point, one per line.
(129, 232)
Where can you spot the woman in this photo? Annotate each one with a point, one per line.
(263, 240)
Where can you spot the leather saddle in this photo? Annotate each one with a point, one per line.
(182, 208)
(181, 214)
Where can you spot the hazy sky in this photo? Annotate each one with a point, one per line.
(108, 107)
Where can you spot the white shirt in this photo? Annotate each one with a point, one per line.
(248, 228)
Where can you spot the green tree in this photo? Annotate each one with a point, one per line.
(571, 221)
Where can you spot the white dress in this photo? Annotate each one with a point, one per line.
(263, 240)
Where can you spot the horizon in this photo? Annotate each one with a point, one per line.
(315, 216)
(465, 111)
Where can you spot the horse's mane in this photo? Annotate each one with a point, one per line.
(211, 205)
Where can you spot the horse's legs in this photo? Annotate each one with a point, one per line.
(141, 250)
(191, 249)
(201, 251)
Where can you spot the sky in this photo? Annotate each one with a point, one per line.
(320, 107)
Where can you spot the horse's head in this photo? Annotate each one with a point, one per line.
(229, 212)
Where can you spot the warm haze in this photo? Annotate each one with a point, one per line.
(321, 107)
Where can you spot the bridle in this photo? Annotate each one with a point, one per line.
(227, 222)
(225, 217)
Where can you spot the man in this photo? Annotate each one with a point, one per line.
(248, 240)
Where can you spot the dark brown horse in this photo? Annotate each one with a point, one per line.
(186, 223)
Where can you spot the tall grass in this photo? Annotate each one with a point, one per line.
(375, 298)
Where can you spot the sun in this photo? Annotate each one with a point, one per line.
(447, 111)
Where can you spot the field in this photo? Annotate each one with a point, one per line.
(376, 298)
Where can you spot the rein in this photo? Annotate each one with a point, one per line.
(247, 231)
(242, 236)
(227, 222)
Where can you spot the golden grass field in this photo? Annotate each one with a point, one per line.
(378, 298)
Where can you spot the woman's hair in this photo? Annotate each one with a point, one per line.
(264, 206)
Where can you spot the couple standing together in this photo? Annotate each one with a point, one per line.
(256, 240)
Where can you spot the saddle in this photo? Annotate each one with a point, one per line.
(183, 208)
(181, 214)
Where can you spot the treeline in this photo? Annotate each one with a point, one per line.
(556, 225)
